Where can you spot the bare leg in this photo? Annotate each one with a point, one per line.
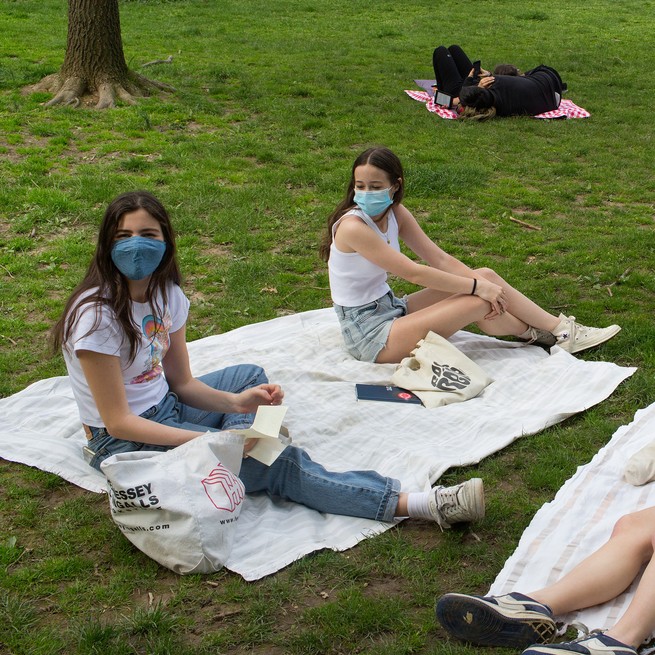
(445, 318)
(519, 305)
(639, 619)
(608, 572)
(445, 314)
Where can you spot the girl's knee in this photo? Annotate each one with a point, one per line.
(251, 375)
(258, 373)
(627, 524)
(641, 533)
(488, 274)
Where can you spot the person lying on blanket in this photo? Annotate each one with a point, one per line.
(481, 95)
(517, 620)
(123, 338)
(362, 245)
(452, 67)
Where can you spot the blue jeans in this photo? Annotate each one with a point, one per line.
(293, 476)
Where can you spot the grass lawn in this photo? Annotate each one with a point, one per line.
(273, 102)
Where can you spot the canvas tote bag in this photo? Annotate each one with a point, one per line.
(440, 374)
(640, 468)
(180, 507)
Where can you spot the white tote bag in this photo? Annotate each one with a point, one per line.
(440, 374)
(640, 468)
(181, 506)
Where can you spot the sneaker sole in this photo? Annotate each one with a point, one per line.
(592, 343)
(475, 621)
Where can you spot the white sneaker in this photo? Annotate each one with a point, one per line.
(573, 337)
(462, 503)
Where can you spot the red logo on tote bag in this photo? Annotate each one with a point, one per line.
(224, 489)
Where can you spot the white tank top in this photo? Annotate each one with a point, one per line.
(354, 280)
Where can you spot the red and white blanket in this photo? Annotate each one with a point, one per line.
(566, 109)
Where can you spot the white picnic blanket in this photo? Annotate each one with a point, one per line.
(303, 352)
(580, 519)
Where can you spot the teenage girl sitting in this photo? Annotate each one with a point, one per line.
(123, 334)
(362, 246)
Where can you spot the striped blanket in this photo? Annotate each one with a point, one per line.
(39, 426)
(580, 519)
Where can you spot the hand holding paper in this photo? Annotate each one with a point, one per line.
(266, 429)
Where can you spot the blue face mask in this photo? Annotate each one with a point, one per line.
(137, 257)
(373, 202)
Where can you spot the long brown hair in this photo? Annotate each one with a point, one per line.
(471, 113)
(104, 284)
(381, 158)
(477, 103)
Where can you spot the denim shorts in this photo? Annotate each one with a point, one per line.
(366, 328)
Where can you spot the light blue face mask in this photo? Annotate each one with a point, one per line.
(137, 257)
(373, 202)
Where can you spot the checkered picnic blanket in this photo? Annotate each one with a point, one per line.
(566, 109)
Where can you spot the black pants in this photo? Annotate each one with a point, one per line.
(451, 68)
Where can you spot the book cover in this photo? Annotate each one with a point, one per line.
(386, 393)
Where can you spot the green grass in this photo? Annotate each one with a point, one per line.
(273, 101)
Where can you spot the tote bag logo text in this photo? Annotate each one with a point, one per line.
(449, 378)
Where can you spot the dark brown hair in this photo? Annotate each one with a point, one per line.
(507, 69)
(381, 158)
(104, 284)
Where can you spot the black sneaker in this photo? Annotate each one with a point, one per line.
(593, 644)
(512, 620)
(536, 337)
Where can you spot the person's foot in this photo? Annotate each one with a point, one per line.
(513, 620)
(573, 337)
(461, 503)
(593, 644)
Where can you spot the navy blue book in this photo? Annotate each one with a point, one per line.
(386, 393)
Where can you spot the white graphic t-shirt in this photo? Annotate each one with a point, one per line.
(145, 384)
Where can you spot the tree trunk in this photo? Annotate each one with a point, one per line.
(94, 49)
(94, 64)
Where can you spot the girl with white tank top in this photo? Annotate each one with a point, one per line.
(362, 246)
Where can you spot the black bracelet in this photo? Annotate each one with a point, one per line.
(475, 286)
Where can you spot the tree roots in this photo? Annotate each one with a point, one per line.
(76, 91)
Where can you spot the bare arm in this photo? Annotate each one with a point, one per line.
(195, 393)
(104, 377)
(355, 236)
(105, 380)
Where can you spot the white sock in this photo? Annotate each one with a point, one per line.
(417, 504)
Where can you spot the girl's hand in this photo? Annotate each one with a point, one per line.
(248, 445)
(494, 295)
(486, 82)
(249, 400)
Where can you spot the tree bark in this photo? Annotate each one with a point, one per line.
(94, 65)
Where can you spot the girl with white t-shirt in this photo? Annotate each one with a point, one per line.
(123, 337)
(362, 245)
